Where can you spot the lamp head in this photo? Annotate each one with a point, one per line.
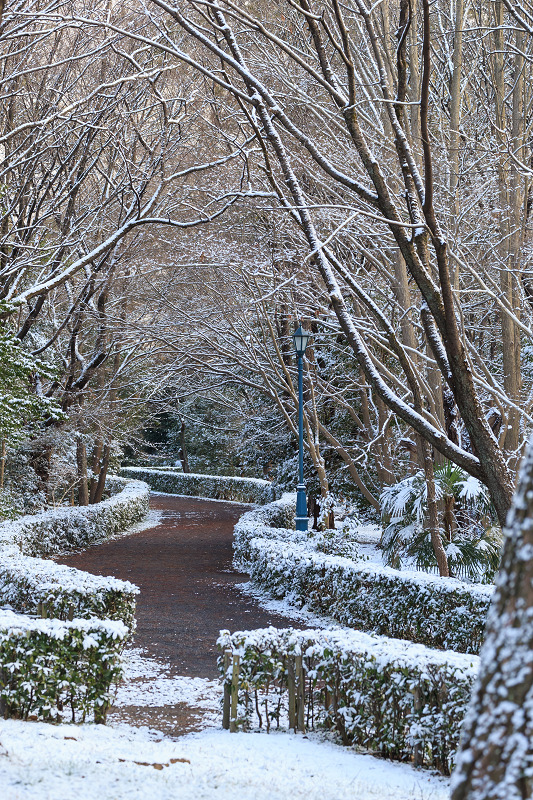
(300, 339)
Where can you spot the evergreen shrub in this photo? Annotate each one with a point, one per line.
(397, 699)
(216, 487)
(51, 669)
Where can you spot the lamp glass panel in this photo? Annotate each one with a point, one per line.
(300, 341)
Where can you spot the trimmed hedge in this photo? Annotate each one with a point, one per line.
(438, 612)
(79, 526)
(35, 586)
(49, 668)
(398, 699)
(217, 487)
(48, 664)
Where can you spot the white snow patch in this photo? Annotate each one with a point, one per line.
(90, 762)
(147, 683)
(287, 609)
(151, 520)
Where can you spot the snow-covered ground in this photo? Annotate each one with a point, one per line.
(89, 762)
(175, 702)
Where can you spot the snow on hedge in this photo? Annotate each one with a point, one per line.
(79, 526)
(50, 668)
(47, 663)
(37, 586)
(438, 612)
(217, 487)
(401, 700)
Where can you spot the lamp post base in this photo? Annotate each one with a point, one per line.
(302, 520)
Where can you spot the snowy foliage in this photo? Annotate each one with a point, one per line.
(73, 658)
(50, 667)
(64, 528)
(36, 586)
(218, 487)
(438, 612)
(399, 699)
(19, 371)
(470, 539)
(276, 521)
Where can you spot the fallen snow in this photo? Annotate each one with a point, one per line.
(153, 518)
(285, 608)
(149, 684)
(90, 762)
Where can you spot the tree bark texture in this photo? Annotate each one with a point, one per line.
(81, 458)
(495, 761)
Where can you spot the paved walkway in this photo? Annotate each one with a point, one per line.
(188, 586)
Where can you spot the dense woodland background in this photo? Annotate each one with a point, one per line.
(182, 184)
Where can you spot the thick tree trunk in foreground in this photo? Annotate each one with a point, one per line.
(496, 757)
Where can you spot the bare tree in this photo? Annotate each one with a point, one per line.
(394, 192)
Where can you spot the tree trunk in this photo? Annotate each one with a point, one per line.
(510, 208)
(95, 468)
(495, 759)
(433, 511)
(100, 486)
(81, 459)
(183, 449)
(455, 121)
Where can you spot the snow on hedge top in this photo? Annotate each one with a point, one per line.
(432, 582)
(18, 624)
(194, 484)
(50, 531)
(172, 471)
(382, 649)
(43, 575)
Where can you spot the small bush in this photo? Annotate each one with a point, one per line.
(50, 668)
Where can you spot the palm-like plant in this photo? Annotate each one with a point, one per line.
(471, 539)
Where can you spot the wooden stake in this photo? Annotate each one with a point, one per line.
(300, 689)
(234, 693)
(227, 691)
(292, 694)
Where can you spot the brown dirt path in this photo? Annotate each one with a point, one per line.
(188, 586)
